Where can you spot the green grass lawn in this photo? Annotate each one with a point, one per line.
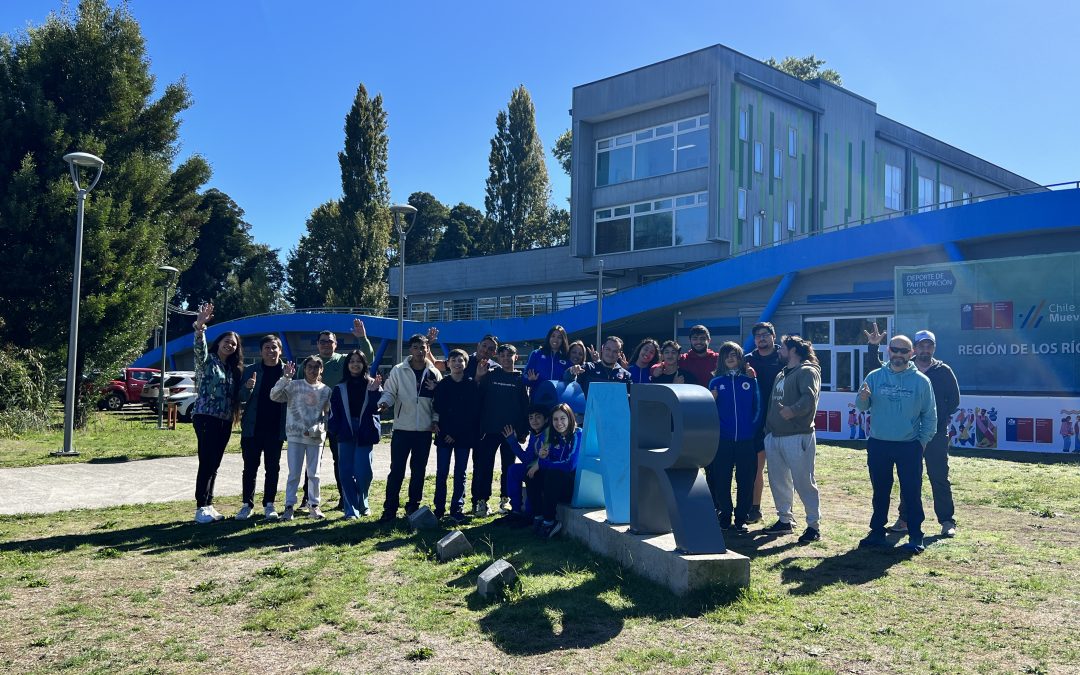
(115, 437)
(142, 589)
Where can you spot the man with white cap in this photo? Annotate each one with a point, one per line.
(936, 456)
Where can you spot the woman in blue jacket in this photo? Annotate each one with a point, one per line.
(645, 356)
(550, 361)
(552, 474)
(354, 418)
(738, 404)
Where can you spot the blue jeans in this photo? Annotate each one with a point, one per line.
(355, 469)
(460, 455)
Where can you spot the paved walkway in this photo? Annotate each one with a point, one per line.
(62, 487)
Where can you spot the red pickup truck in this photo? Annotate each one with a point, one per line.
(127, 388)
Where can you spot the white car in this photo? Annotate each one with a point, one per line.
(184, 401)
(176, 382)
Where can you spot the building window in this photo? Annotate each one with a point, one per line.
(790, 216)
(777, 163)
(792, 141)
(740, 209)
(926, 193)
(945, 195)
(677, 146)
(744, 124)
(894, 187)
(531, 305)
(463, 310)
(776, 237)
(966, 198)
(671, 221)
(759, 156)
(758, 224)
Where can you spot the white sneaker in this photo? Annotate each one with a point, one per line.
(214, 513)
(203, 516)
(899, 526)
(481, 509)
(316, 513)
(504, 504)
(269, 513)
(948, 529)
(244, 513)
(288, 515)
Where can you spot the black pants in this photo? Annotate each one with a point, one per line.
(412, 448)
(740, 457)
(253, 449)
(547, 489)
(906, 456)
(213, 435)
(936, 458)
(484, 466)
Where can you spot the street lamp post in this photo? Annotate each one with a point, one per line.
(171, 273)
(403, 226)
(599, 305)
(92, 164)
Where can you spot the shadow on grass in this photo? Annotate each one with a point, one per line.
(853, 568)
(118, 459)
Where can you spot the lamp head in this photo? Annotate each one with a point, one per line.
(400, 211)
(86, 161)
(169, 270)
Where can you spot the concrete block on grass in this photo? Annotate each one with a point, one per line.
(423, 519)
(452, 546)
(499, 574)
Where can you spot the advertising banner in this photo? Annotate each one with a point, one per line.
(1024, 423)
(1005, 326)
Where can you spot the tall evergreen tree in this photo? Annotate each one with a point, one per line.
(342, 258)
(82, 82)
(517, 190)
(563, 148)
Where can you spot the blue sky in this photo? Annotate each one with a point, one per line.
(272, 80)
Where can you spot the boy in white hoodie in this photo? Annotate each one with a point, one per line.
(305, 428)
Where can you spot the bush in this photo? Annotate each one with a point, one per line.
(24, 391)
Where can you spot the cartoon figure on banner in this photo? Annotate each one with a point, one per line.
(985, 427)
(1066, 433)
(864, 431)
(1076, 434)
(852, 420)
(965, 428)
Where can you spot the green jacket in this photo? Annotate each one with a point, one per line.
(797, 389)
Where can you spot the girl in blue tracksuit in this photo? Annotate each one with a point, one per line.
(552, 475)
(354, 419)
(550, 361)
(738, 404)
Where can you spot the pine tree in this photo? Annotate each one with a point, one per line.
(342, 258)
(517, 190)
(82, 82)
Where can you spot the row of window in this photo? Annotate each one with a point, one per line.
(498, 307)
(744, 134)
(894, 191)
(678, 146)
(673, 221)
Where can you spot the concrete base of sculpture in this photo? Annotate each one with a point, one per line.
(654, 556)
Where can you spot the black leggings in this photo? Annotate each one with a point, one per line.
(213, 435)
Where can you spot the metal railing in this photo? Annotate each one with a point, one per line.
(906, 212)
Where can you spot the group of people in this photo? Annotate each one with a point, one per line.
(478, 406)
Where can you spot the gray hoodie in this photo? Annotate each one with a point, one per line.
(796, 388)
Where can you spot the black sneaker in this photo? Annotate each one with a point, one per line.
(754, 516)
(739, 529)
(809, 535)
(875, 540)
(553, 530)
(387, 518)
(458, 518)
(779, 527)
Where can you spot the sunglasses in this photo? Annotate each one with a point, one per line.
(899, 350)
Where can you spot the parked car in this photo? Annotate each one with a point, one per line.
(176, 382)
(126, 388)
(184, 401)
